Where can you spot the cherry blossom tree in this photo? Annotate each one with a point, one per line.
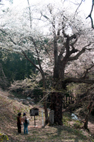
(59, 42)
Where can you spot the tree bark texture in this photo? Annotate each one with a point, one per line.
(46, 111)
(86, 122)
(56, 105)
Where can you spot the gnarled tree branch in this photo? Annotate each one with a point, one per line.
(87, 71)
(80, 53)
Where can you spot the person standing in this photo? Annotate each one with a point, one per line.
(25, 122)
(19, 122)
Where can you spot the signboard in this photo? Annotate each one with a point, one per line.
(34, 112)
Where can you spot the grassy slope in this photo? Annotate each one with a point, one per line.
(8, 115)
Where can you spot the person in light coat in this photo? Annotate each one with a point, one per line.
(25, 123)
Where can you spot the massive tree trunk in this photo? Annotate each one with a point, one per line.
(45, 98)
(56, 96)
(56, 105)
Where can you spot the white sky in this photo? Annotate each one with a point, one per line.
(83, 11)
(23, 3)
(86, 5)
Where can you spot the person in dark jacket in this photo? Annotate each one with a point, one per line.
(19, 122)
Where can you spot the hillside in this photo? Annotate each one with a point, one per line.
(9, 110)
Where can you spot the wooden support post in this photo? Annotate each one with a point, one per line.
(34, 121)
(42, 119)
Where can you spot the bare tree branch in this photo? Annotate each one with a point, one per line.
(78, 6)
(40, 69)
(8, 37)
(90, 15)
(3, 31)
(80, 53)
(12, 40)
(79, 80)
(87, 71)
(30, 60)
